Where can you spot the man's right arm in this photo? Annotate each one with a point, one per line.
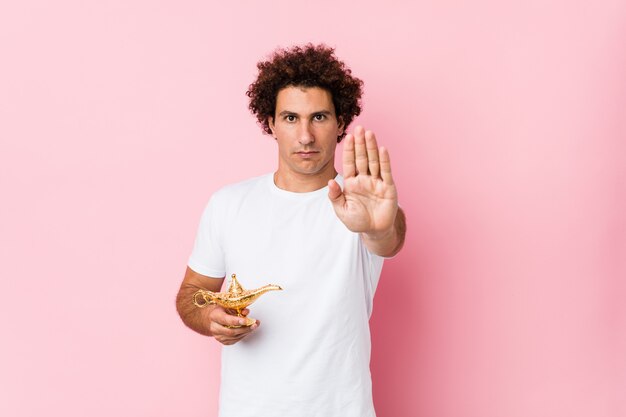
(210, 320)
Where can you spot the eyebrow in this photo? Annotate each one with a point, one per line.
(288, 112)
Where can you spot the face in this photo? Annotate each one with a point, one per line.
(306, 130)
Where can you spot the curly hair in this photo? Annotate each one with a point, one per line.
(306, 66)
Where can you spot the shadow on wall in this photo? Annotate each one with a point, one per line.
(395, 327)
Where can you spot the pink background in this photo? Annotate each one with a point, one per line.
(506, 126)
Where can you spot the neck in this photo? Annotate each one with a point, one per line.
(303, 183)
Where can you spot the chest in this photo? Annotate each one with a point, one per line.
(287, 243)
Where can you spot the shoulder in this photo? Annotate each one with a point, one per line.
(240, 190)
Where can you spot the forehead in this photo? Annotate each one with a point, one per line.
(304, 100)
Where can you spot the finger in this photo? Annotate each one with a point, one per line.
(232, 340)
(233, 312)
(349, 169)
(334, 192)
(221, 317)
(360, 154)
(385, 166)
(372, 153)
(228, 336)
(336, 196)
(227, 341)
(217, 330)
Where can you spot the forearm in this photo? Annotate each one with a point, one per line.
(197, 319)
(387, 243)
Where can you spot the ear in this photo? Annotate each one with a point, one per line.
(340, 125)
(270, 122)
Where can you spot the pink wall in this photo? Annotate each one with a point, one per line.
(506, 126)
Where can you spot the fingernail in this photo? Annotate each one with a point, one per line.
(254, 326)
(242, 322)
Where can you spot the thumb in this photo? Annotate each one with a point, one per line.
(335, 194)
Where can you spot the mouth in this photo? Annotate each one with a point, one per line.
(306, 154)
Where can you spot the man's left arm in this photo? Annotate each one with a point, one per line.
(368, 203)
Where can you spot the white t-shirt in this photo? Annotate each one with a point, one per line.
(310, 355)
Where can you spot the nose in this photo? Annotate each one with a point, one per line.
(306, 134)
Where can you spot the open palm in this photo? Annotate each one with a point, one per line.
(368, 202)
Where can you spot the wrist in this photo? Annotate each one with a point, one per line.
(380, 235)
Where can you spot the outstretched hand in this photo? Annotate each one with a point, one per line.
(368, 202)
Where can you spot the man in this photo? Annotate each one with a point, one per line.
(320, 236)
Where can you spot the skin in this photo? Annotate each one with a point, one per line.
(306, 131)
(306, 128)
(368, 203)
(209, 321)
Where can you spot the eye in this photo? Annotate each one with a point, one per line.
(319, 117)
(290, 118)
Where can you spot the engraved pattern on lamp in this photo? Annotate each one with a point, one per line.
(236, 298)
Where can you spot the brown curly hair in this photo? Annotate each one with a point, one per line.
(305, 66)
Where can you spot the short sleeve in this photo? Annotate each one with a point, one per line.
(375, 268)
(207, 257)
(372, 268)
